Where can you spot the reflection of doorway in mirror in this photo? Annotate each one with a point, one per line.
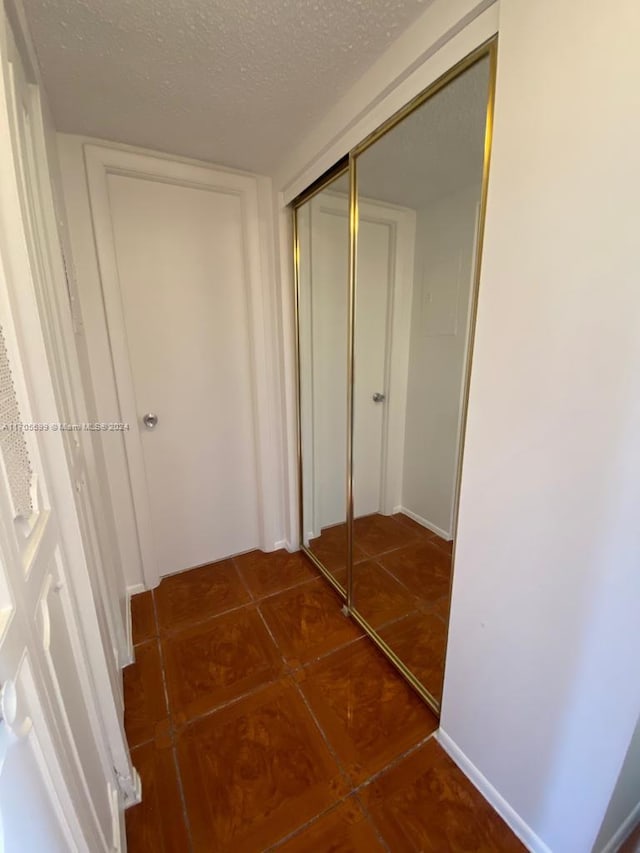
(387, 236)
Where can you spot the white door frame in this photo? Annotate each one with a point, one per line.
(401, 223)
(25, 256)
(102, 161)
(60, 332)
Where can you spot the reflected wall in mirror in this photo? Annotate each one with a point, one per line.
(419, 189)
(322, 237)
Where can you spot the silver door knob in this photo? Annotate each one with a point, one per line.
(378, 397)
(150, 420)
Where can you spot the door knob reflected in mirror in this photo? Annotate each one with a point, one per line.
(150, 420)
(378, 397)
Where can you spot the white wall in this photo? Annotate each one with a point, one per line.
(541, 691)
(624, 808)
(445, 232)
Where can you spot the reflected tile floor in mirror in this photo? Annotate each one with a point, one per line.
(402, 579)
(260, 718)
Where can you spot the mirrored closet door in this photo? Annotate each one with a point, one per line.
(387, 260)
(322, 238)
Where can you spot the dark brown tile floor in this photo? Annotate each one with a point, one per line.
(260, 718)
(401, 581)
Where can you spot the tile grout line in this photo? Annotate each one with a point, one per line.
(419, 599)
(300, 829)
(326, 740)
(174, 750)
(288, 671)
(224, 705)
(320, 657)
(240, 574)
(252, 602)
(354, 790)
(345, 776)
(256, 602)
(325, 655)
(372, 823)
(395, 762)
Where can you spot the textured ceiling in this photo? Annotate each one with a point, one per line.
(236, 82)
(435, 151)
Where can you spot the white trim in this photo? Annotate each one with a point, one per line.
(443, 534)
(623, 831)
(522, 829)
(132, 590)
(286, 301)
(96, 668)
(137, 787)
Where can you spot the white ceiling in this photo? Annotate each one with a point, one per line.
(236, 82)
(435, 151)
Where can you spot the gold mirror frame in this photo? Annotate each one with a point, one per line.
(486, 50)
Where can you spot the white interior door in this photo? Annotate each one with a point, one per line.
(48, 747)
(176, 259)
(54, 305)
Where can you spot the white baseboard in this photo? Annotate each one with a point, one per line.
(623, 832)
(524, 832)
(137, 788)
(443, 534)
(132, 590)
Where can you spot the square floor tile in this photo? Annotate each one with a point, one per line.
(157, 824)
(331, 548)
(199, 594)
(376, 534)
(307, 622)
(143, 617)
(266, 573)
(377, 595)
(255, 771)
(146, 712)
(420, 641)
(425, 803)
(368, 712)
(423, 568)
(213, 662)
(344, 829)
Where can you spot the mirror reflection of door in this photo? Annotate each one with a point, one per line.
(323, 251)
(412, 332)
